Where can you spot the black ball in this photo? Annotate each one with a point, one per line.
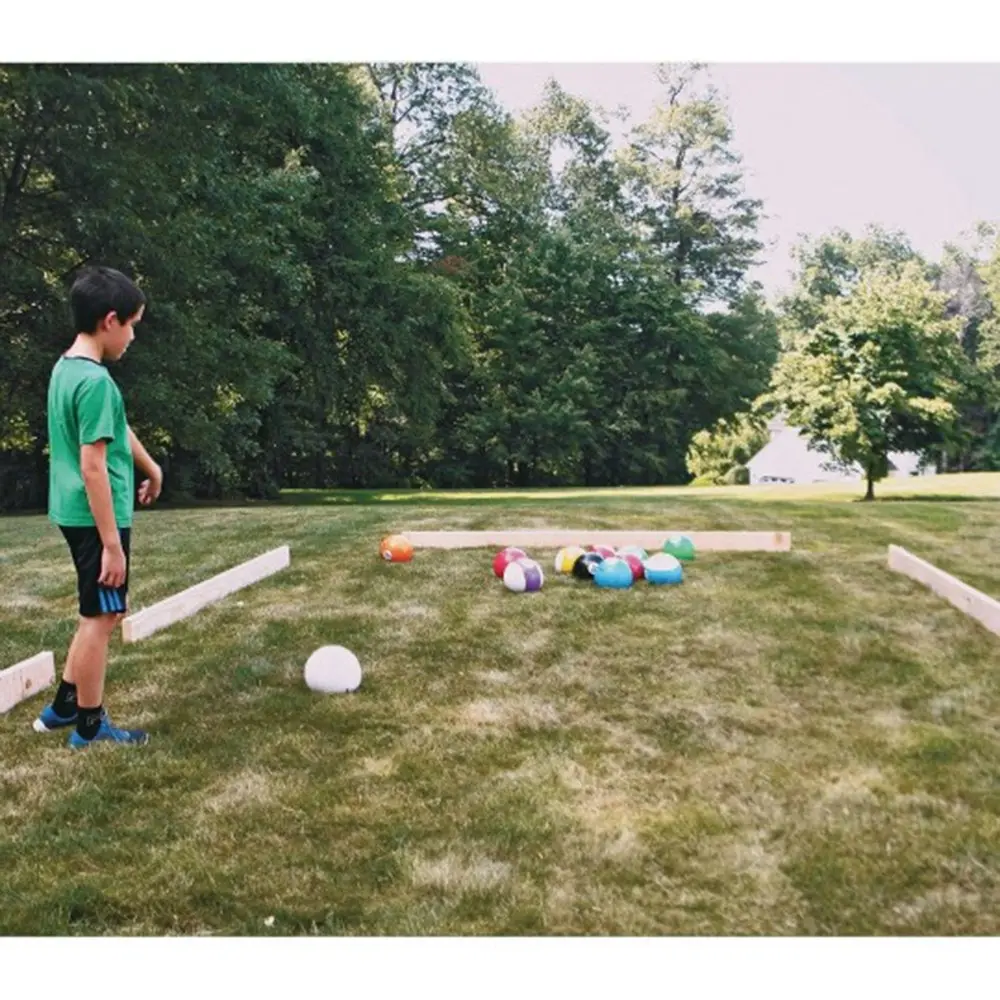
(586, 565)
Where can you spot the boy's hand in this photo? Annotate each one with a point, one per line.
(150, 488)
(112, 566)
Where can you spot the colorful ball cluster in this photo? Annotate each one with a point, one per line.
(605, 566)
(621, 568)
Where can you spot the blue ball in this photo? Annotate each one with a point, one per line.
(663, 568)
(613, 573)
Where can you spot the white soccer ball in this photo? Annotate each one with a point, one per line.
(333, 670)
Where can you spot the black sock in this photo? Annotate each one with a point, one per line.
(64, 703)
(89, 721)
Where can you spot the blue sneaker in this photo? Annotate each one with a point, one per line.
(48, 721)
(108, 733)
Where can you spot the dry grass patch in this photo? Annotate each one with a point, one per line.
(246, 789)
(509, 713)
(454, 873)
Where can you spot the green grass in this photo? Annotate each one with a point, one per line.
(796, 743)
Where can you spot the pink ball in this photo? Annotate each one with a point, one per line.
(634, 564)
(505, 558)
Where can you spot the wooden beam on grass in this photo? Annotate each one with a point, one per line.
(973, 602)
(550, 538)
(158, 616)
(25, 679)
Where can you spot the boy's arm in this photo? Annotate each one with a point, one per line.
(94, 467)
(150, 488)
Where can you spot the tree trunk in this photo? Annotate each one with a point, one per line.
(870, 493)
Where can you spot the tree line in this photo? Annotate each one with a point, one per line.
(376, 276)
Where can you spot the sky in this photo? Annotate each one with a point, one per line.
(825, 145)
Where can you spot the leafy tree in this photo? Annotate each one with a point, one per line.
(831, 265)
(881, 372)
(716, 454)
(963, 277)
(685, 181)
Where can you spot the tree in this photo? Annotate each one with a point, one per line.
(717, 454)
(881, 372)
(138, 166)
(685, 182)
(831, 265)
(259, 209)
(965, 278)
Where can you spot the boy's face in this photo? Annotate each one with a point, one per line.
(116, 336)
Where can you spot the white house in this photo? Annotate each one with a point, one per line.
(788, 458)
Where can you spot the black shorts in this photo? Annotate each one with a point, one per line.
(87, 549)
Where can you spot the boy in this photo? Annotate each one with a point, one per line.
(92, 454)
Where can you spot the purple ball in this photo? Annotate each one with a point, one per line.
(523, 575)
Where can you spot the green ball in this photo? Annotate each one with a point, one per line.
(680, 547)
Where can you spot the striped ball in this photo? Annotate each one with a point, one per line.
(680, 547)
(663, 568)
(566, 557)
(633, 550)
(505, 557)
(602, 550)
(523, 575)
(614, 573)
(634, 564)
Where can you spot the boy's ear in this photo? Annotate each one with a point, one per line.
(107, 320)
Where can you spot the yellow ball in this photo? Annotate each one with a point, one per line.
(566, 557)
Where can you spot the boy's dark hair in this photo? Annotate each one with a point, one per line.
(98, 291)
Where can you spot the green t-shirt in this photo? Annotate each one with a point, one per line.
(86, 406)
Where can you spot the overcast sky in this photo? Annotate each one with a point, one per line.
(913, 147)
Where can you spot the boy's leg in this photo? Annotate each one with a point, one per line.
(83, 676)
(87, 660)
(86, 549)
(79, 701)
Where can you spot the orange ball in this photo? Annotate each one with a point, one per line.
(396, 548)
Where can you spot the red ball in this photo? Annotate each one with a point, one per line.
(504, 558)
(603, 550)
(634, 564)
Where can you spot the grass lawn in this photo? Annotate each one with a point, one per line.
(791, 743)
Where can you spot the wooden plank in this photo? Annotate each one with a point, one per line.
(25, 679)
(158, 616)
(973, 602)
(550, 538)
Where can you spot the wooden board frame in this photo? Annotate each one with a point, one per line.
(167, 612)
(552, 538)
(25, 679)
(976, 604)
